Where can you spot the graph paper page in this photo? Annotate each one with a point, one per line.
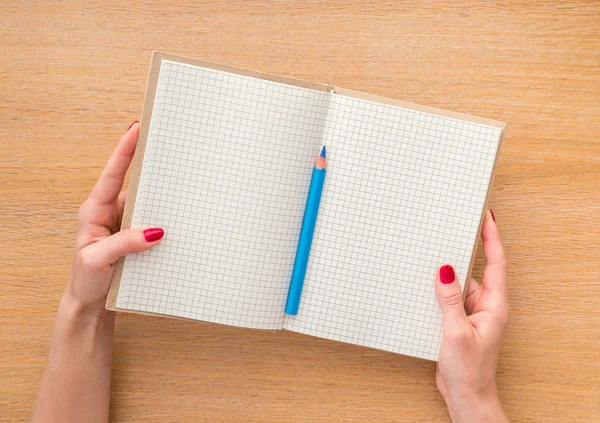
(226, 173)
(403, 195)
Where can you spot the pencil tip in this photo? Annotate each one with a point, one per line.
(323, 153)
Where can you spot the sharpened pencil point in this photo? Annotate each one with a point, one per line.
(323, 153)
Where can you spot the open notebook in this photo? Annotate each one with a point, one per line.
(223, 164)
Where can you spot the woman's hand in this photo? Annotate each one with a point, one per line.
(99, 242)
(76, 382)
(472, 335)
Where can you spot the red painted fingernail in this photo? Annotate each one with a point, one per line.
(492, 213)
(153, 234)
(135, 121)
(447, 274)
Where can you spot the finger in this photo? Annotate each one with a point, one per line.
(447, 290)
(121, 206)
(492, 246)
(111, 180)
(122, 199)
(495, 277)
(128, 241)
(472, 297)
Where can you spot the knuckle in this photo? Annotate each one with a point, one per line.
(461, 337)
(501, 264)
(503, 315)
(88, 260)
(125, 243)
(504, 264)
(452, 298)
(83, 212)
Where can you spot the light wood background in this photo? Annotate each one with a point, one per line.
(72, 79)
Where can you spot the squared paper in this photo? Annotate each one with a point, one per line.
(226, 174)
(403, 195)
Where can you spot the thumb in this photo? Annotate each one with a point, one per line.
(447, 290)
(128, 241)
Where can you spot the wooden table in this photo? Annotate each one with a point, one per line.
(72, 80)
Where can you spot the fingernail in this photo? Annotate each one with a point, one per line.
(134, 122)
(492, 213)
(153, 234)
(447, 274)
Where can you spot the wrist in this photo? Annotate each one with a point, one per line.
(71, 312)
(81, 334)
(484, 406)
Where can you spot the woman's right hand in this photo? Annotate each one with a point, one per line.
(100, 242)
(472, 335)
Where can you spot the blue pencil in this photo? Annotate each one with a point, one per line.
(306, 234)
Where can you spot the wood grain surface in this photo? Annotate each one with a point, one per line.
(72, 79)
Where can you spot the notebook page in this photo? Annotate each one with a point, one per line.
(226, 174)
(403, 195)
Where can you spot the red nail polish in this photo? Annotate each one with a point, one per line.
(135, 121)
(492, 213)
(153, 234)
(447, 274)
